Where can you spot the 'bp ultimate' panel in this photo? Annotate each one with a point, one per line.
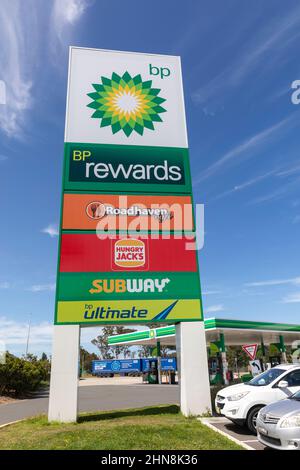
(126, 311)
(126, 234)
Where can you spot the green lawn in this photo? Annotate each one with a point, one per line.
(160, 427)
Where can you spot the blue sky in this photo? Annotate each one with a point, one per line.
(239, 60)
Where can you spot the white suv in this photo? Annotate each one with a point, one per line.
(241, 403)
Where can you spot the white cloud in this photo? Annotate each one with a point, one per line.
(289, 171)
(296, 219)
(17, 29)
(274, 282)
(280, 192)
(4, 285)
(269, 44)
(65, 14)
(51, 230)
(87, 334)
(28, 29)
(211, 292)
(41, 287)
(2, 92)
(68, 11)
(15, 333)
(214, 308)
(246, 184)
(246, 148)
(292, 298)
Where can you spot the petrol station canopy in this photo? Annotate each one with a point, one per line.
(236, 332)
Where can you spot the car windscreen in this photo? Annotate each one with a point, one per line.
(266, 377)
(296, 396)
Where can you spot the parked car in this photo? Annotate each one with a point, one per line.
(278, 424)
(241, 403)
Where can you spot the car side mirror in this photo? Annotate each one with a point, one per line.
(283, 384)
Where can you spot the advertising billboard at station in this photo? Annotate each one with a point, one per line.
(126, 179)
(88, 253)
(90, 211)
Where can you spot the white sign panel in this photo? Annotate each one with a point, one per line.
(125, 98)
(250, 350)
(255, 367)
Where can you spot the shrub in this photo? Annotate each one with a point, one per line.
(20, 376)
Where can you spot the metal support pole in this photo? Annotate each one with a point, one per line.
(158, 362)
(263, 352)
(224, 359)
(282, 349)
(28, 336)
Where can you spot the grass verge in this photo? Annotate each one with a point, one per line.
(151, 428)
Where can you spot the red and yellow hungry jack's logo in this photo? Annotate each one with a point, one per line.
(129, 253)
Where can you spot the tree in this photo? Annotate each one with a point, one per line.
(112, 352)
(168, 351)
(86, 359)
(44, 357)
(20, 376)
(236, 357)
(101, 342)
(145, 350)
(165, 351)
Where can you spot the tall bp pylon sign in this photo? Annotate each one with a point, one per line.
(127, 230)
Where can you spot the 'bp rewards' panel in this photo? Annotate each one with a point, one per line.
(96, 167)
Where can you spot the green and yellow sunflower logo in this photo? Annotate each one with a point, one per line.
(126, 103)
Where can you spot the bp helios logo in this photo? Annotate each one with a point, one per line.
(127, 104)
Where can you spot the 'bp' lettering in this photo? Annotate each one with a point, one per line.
(161, 71)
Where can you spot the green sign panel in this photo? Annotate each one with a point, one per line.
(129, 285)
(127, 168)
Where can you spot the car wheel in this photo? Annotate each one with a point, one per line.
(252, 418)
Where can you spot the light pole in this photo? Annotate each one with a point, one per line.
(28, 335)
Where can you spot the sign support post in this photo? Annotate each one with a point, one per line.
(64, 374)
(195, 396)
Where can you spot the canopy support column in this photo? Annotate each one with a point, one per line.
(224, 359)
(282, 349)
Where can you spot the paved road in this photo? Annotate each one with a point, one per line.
(242, 434)
(95, 398)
